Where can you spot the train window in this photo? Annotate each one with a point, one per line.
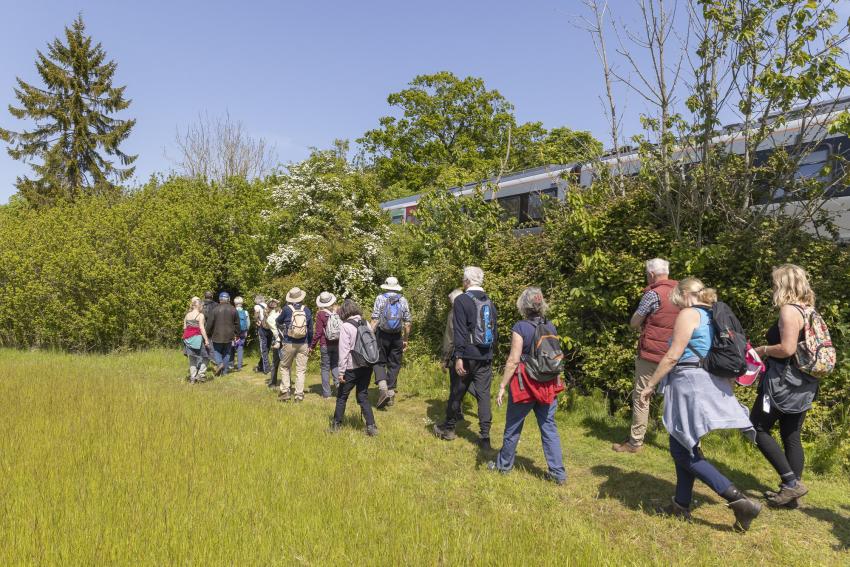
(511, 205)
(534, 212)
(397, 216)
(811, 166)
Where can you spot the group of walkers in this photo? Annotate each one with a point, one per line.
(684, 352)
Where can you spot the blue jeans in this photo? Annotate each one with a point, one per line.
(689, 468)
(264, 339)
(240, 348)
(514, 420)
(330, 367)
(221, 352)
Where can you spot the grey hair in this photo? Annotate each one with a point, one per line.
(531, 303)
(454, 295)
(658, 266)
(474, 275)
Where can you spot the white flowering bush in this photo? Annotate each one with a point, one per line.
(332, 230)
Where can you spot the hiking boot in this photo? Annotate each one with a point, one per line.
(284, 396)
(443, 432)
(491, 466)
(787, 494)
(627, 447)
(746, 511)
(675, 510)
(371, 430)
(335, 427)
(559, 481)
(769, 495)
(484, 444)
(383, 398)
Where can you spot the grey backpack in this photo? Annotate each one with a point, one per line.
(546, 360)
(365, 351)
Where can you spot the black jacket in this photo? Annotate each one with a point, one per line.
(465, 314)
(223, 324)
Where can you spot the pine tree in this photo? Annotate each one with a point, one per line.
(73, 123)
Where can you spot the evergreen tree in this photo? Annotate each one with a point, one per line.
(73, 122)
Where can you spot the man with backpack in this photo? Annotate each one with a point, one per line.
(295, 326)
(326, 335)
(207, 309)
(655, 317)
(475, 339)
(223, 328)
(391, 322)
(264, 336)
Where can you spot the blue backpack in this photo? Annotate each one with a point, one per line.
(243, 320)
(482, 333)
(389, 319)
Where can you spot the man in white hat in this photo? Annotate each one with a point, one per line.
(295, 324)
(326, 335)
(391, 321)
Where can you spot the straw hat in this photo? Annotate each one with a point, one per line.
(296, 295)
(391, 284)
(325, 299)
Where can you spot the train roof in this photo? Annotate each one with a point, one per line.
(551, 169)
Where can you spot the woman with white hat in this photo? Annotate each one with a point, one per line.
(326, 335)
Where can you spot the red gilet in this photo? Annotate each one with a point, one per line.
(658, 327)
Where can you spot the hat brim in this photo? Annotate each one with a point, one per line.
(391, 287)
(328, 304)
(296, 298)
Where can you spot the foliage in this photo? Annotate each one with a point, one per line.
(330, 228)
(454, 131)
(101, 274)
(74, 122)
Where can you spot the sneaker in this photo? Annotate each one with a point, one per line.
(674, 510)
(383, 398)
(746, 511)
(787, 494)
(627, 447)
(484, 444)
(371, 430)
(443, 432)
(491, 466)
(299, 398)
(559, 481)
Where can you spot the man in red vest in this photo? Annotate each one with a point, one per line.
(655, 317)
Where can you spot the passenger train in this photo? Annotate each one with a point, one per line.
(521, 194)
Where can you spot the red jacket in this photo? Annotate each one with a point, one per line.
(658, 327)
(525, 390)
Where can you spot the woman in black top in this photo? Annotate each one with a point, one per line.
(793, 296)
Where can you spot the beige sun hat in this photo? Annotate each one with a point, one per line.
(296, 295)
(325, 299)
(391, 284)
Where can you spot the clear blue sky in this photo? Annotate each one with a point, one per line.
(303, 73)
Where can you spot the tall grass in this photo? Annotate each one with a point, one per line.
(113, 460)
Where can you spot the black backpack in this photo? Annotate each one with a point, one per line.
(727, 357)
(546, 360)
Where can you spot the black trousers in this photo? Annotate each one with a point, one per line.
(390, 350)
(479, 376)
(275, 364)
(788, 463)
(356, 378)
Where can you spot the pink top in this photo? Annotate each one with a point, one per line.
(347, 336)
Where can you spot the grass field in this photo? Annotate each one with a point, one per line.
(114, 460)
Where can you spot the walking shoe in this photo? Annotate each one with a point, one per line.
(491, 466)
(745, 512)
(787, 494)
(626, 447)
(335, 426)
(273, 385)
(284, 396)
(443, 432)
(559, 481)
(371, 430)
(674, 510)
(769, 495)
(299, 398)
(484, 444)
(383, 398)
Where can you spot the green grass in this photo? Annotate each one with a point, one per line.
(114, 460)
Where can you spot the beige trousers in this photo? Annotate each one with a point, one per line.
(299, 353)
(640, 412)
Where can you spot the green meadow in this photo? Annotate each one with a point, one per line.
(114, 460)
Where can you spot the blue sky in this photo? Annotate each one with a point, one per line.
(303, 73)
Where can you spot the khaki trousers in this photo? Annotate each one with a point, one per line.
(299, 353)
(640, 412)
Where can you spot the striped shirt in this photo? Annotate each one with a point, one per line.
(381, 302)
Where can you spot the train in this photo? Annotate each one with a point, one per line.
(804, 132)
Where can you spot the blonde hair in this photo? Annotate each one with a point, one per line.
(791, 285)
(692, 287)
(194, 303)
